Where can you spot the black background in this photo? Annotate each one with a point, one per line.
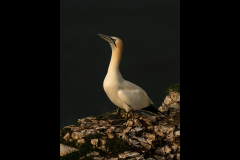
(150, 31)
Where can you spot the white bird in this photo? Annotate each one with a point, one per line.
(121, 92)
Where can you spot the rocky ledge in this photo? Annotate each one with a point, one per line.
(148, 137)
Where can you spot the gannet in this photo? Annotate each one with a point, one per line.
(121, 92)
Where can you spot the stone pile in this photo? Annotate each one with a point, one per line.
(152, 137)
(171, 103)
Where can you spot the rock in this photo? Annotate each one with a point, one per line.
(97, 158)
(159, 157)
(177, 133)
(95, 121)
(127, 130)
(170, 129)
(94, 142)
(111, 120)
(167, 149)
(175, 96)
(102, 122)
(147, 121)
(160, 151)
(77, 129)
(174, 147)
(168, 100)
(150, 159)
(129, 123)
(150, 141)
(113, 128)
(113, 159)
(94, 153)
(64, 149)
(108, 131)
(138, 131)
(150, 128)
(178, 149)
(101, 128)
(134, 142)
(169, 135)
(163, 104)
(80, 141)
(125, 137)
(170, 157)
(178, 156)
(102, 147)
(136, 115)
(95, 126)
(172, 114)
(103, 141)
(118, 130)
(128, 154)
(132, 131)
(104, 135)
(78, 135)
(83, 125)
(137, 122)
(153, 118)
(144, 143)
(108, 125)
(141, 139)
(156, 135)
(159, 133)
(178, 110)
(149, 135)
(140, 157)
(173, 105)
(110, 135)
(170, 140)
(177, 126)
(163, 109)
(163, 129)
(67, 136)
(90, 131)
(140, 118)
(164, 124)
(156, 128)
(133, 136)
(91, 118)
(119, 135)
(88, 125)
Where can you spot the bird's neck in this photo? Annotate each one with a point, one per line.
(115, 61)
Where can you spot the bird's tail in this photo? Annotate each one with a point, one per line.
(153, 110)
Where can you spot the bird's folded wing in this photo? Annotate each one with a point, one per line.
(136, 99)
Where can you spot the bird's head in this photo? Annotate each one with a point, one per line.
(115, 42)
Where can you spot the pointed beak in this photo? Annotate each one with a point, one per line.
(107, 38)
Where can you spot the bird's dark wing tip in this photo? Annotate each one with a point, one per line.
(153, 110)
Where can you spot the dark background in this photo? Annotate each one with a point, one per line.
(150, 31)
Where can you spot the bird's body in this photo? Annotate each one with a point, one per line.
(121, 92)
(125, 94)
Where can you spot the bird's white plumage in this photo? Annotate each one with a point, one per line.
(121, 92)
(133, 98)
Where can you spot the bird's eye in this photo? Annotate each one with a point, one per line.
(113, 39)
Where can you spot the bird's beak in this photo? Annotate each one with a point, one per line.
(107, 38)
